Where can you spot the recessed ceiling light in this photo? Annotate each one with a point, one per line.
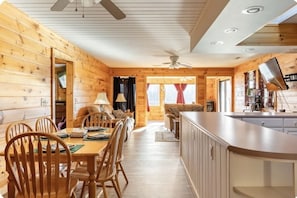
(231, 30)
(253, 10)
(217, 43)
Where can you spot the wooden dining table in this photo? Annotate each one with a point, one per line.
(87, 152)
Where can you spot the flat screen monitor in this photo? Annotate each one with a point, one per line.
(272, 75)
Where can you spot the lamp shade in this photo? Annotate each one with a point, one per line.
(121, 98)
(101, 98)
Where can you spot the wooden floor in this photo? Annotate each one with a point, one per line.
(153, 168)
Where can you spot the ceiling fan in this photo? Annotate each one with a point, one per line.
(107, 4)
(174, 64)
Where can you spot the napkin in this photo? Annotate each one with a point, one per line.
(62, 134)
(95, 128)
(97, 137)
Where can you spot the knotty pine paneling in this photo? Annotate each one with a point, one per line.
(25, 71)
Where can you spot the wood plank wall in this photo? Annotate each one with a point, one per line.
(141, 74)
(288, 64)
(25, 71)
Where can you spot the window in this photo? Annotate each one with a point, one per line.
(153, 93)
(171, 94)
(190, 94)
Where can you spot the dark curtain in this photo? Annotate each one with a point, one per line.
(180, 93)
(116, 90)
(127, 87)
(130, 97)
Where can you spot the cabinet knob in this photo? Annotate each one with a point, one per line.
(262, 123)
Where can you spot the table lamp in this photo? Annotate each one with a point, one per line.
(121, 100)
(101, 100)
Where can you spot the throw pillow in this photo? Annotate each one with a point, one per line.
(118, 113)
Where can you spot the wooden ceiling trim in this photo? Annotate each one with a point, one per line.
(273, 35)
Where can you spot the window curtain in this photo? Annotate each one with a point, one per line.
(130, 97)
(180, 93)
(127, 87)
(147, 99)
(116, 90)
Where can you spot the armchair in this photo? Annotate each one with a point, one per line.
(172, 112)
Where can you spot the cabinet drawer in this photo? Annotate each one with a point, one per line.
(290, 122)
(266, 122)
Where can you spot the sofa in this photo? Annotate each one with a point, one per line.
(115, 115)
(172, 112)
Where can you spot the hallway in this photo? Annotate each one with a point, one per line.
(153, 168)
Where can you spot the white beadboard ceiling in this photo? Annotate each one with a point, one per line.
(153, 30)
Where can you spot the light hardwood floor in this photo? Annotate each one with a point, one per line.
(153, 168)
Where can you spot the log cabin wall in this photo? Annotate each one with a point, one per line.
(288, 65)
(141, 74)
(25, 72)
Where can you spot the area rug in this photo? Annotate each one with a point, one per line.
(165, 136)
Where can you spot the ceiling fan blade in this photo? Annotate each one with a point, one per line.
(185, 65)
(113, 9)
(60, 5)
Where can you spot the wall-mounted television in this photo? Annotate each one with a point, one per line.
(62, 79)
(272, 75)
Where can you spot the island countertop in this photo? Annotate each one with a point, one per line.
(245, 138)
(261, 114)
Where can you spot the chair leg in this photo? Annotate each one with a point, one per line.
(82, 189)
(116, 187)
(104, 190)
(122, 169)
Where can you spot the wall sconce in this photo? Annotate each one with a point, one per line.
(101, 100)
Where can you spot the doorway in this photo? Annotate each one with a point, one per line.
(62, 88)
(162, 90)
(225, 97)
(219, 93)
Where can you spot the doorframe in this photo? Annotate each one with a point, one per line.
(60, 57)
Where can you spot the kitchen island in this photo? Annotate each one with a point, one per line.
(226, 157)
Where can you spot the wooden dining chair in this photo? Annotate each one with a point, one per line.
(16, 128)
(25, 164)
(97, 119)
(120, 155)
(46, 125)
(106, 166)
